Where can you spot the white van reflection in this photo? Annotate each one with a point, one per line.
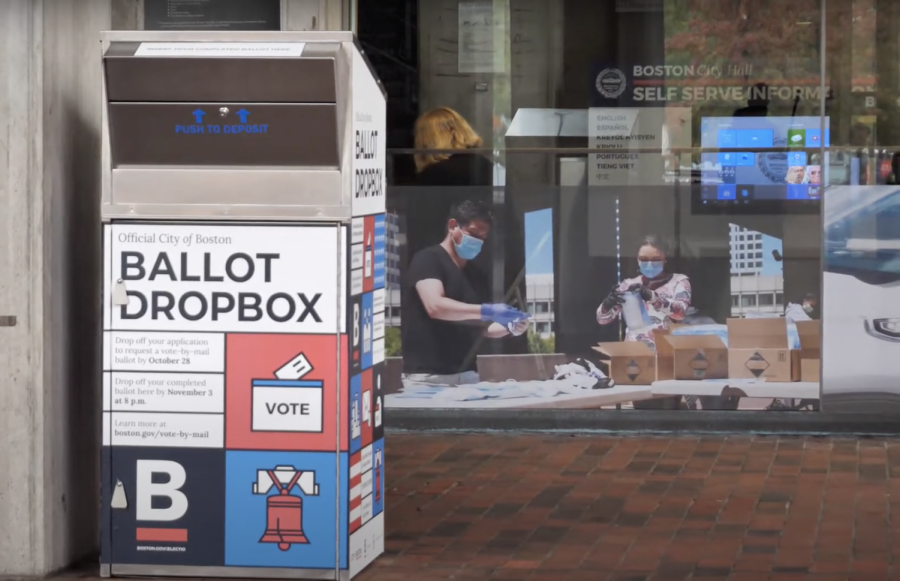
(861, 306)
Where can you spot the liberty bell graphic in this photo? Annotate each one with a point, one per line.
(284, 511)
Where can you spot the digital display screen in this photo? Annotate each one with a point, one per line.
(768, 160)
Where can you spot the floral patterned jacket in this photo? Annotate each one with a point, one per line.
(672, 298)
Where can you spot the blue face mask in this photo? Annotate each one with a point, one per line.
(468, 248)
(651, 268)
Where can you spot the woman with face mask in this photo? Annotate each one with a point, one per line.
(805, 311)
(666, 295)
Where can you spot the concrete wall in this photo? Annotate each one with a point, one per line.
(50, 270)
(49, 275)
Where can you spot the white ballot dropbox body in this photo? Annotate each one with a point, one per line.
(244, 270)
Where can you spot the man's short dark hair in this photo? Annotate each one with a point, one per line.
(470, 210)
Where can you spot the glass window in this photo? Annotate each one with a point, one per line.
(595, 145)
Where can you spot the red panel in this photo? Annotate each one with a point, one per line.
(258, 356)
(162, 535)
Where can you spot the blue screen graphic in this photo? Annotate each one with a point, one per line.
(769, 158)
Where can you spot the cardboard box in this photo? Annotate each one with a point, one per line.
(810, 333)
(691, 357)
(630, 362)
(665, 355)
(758, 349)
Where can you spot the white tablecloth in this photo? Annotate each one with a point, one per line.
(750, 388)
(525, 394)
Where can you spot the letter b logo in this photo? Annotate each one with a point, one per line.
(146, 489)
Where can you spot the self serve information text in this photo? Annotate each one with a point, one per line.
(198, 304)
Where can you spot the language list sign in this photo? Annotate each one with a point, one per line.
(639, 144)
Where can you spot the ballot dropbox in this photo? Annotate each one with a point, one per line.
(243, 305)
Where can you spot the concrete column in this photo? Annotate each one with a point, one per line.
(335, 14)
(303, 15)
(50, 270)
(49, 280)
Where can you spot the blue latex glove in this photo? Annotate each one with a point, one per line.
(501, 313)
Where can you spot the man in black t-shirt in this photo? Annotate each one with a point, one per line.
(442, 313)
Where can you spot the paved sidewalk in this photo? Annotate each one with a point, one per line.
(564, 508)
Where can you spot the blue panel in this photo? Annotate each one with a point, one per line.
(728, 174)
(356, 419)
(296, 528)
(727, 158)
(377, 477)
(755, 138)
(745, 159)
(285, 383)
(367, 330)
(380, 238)
(797, 157)
(727, 138)
(813, 138)
(726, 192)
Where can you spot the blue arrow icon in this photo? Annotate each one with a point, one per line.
(243, 115)
(198, 116)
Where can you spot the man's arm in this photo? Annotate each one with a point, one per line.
(438, 306)
(496, 331)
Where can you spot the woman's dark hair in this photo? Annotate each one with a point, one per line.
(655, 241)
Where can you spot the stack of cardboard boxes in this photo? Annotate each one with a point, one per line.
(757, 349)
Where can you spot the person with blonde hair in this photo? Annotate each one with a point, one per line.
(445, 178)
(442, 129)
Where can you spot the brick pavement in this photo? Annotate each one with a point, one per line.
(598, 508)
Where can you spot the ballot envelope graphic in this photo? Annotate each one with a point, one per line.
(288, 403)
